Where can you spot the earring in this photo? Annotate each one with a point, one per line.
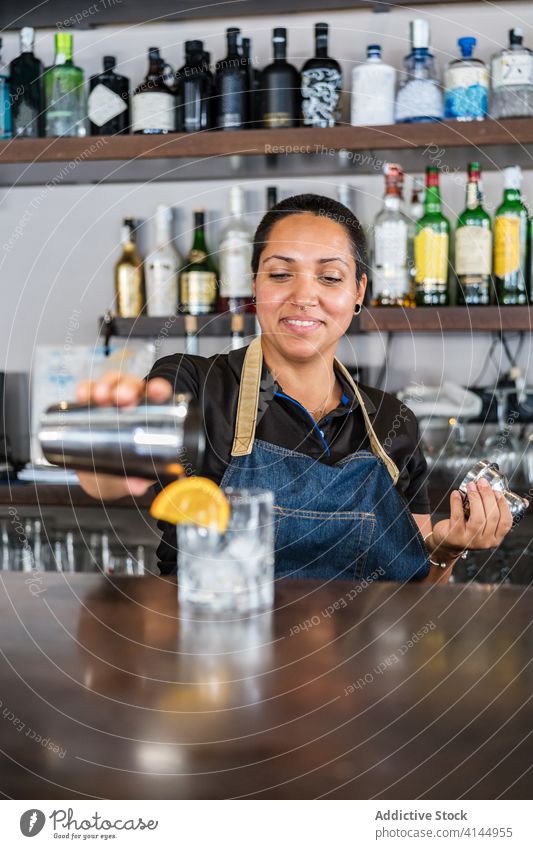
(357, 309)
(253, 299)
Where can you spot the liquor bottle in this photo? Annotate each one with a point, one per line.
(254, 104)
(432, 243)
(235, 257)
(27, 93)
(108, 102)
(345, 195)
(152, 103)
(162, 267)
(231, 83)
(64, 92)
(466, 84)
(510, 242)
(416, 211)
(193, 90)
(419, 97)
(129, 281)
(271, 196)
(512, 79)
(321, 85)
(390, 278)
(280, 87)
(192, 343)
(198, 278)
(237, 331)
(211, 98)
(473, 245)
(373, 88)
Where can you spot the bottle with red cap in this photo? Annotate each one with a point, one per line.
(390, 278)
(432, 247)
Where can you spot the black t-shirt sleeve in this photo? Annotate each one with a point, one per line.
(180, 371)
(415, 487)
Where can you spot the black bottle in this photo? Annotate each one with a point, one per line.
(108, 104)
(321, 84)
(280, 87)
(271, 196)
(254, 103)
(232, 86)
(26, 89)
(211, 97)
(153, 105)
(193, 91)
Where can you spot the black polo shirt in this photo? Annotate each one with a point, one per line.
(283, 421)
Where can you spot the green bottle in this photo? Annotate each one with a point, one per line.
(198, 278)
(473, 245)
(511, 228)
(432, 246)
(66, 112)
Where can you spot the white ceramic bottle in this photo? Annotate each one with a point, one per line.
(373, 88)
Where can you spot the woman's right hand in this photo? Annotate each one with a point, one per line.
(119, 390)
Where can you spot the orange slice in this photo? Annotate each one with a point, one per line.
(192, 501)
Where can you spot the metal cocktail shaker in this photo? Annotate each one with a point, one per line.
(154, 441)
(498, 481)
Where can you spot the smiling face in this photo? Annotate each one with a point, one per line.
(306, 286)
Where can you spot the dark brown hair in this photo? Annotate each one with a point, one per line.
(318, 205)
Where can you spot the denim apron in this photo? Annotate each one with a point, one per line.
(344, 521)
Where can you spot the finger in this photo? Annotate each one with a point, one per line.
(127, 391)
(505, 520)
(84, 391)
(103, 388)
(138, 486)
(158, 389)
(476, 520)
(457, 513)
(490, 506)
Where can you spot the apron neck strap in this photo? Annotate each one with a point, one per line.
(375, 444)
(247, 405)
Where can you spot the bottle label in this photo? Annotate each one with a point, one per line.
(104, 105)
(321, 89)
(277, 119)
(466, 92)
(418, 100)
(512, 70)
(129, 292)
(506, 245)
(231, 120)
(473, 250)
(390, 244)
(235, 258)
(431, 256)
(198, 290)
(152, 111)
(161, 287)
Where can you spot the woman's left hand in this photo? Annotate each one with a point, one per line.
(489, 521)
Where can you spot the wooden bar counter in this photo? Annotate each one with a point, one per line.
(108, 690)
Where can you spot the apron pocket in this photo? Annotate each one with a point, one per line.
(317, 544)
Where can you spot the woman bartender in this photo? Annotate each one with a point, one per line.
(283, 414)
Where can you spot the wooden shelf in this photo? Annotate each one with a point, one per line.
(18, 13)
(446, 320)
(261, 152)
(371, 320)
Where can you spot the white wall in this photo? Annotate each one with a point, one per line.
(63, 259)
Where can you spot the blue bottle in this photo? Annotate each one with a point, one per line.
(5, 103)
(466, 84)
